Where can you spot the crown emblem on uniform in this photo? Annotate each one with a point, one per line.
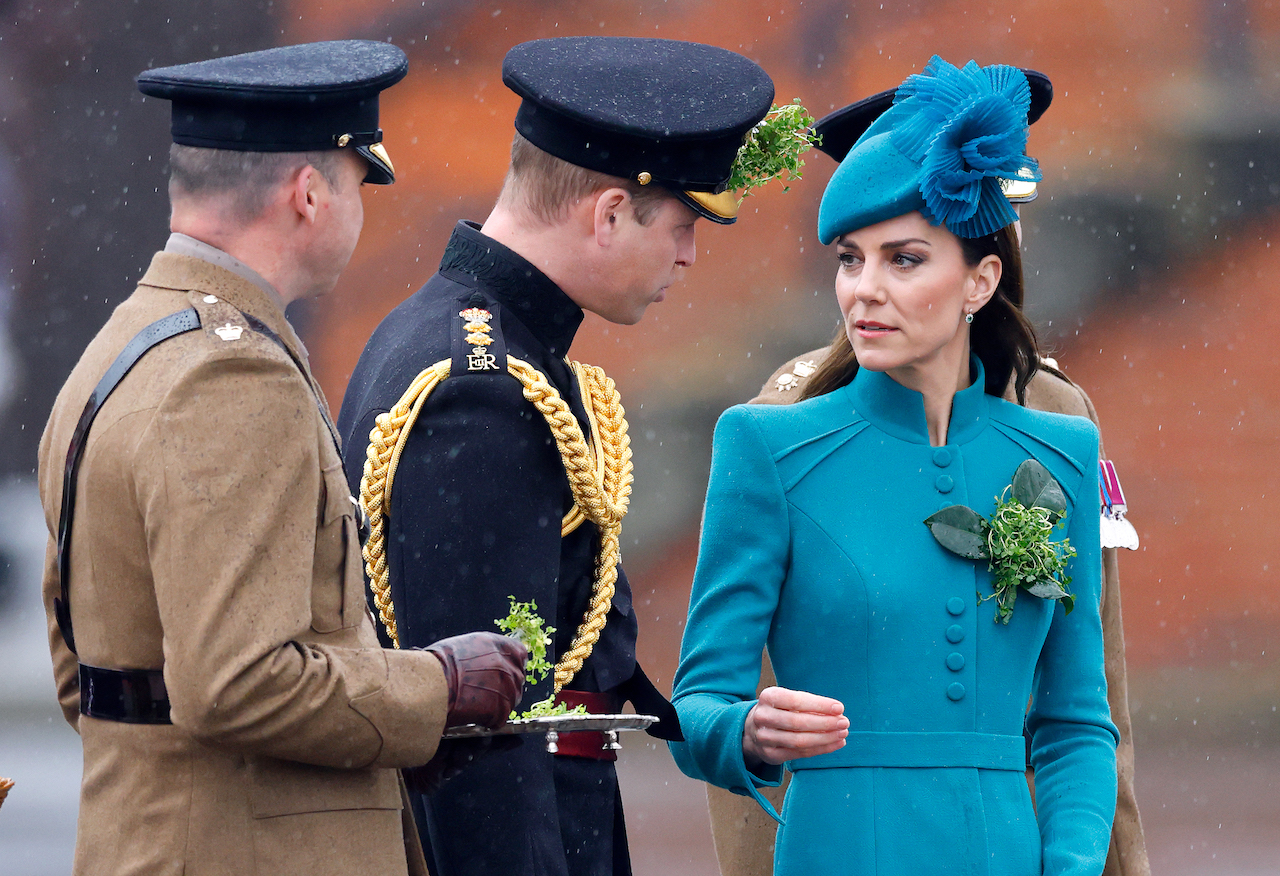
(229, 332)
(477, 328)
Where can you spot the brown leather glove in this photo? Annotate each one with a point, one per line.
(485, 674)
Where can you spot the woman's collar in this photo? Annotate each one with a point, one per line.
(892, 408)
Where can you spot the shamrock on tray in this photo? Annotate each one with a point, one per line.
(525, 625)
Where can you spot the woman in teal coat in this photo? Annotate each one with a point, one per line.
(904, 664)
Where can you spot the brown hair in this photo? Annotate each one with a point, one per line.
(245, 178)
(1001, 335)
(548, 186)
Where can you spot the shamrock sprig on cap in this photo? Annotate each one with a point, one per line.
(772, 149)
(1016, 542)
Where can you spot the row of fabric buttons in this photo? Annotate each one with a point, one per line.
(942, 458)
(955, 635)
(944, 484)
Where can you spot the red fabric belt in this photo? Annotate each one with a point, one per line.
(587, 743)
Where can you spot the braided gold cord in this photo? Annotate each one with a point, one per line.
(381, 459)
(602, 493)
(600, 482)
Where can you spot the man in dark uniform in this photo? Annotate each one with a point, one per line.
(621, 146)
(206, 617)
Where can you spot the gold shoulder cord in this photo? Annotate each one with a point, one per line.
(600, 481)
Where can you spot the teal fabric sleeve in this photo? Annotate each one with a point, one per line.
(1073, 740)
(742, 562)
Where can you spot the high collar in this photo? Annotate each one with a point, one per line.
(522, 289)
(185, 244)
(899, 411)
(185, 273)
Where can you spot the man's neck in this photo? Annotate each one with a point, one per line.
(184, 244)
(551, 248)
(257, 246)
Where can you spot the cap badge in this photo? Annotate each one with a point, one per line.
(229, 332)
(477, 327)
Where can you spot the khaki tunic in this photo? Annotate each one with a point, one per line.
(744, 834)
(214, 537)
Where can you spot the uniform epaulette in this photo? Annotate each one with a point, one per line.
(222, 322)
(476, 339)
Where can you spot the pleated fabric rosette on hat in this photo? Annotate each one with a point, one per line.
(950, 144)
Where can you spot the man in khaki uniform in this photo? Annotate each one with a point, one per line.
(743, 832)
(207, 620)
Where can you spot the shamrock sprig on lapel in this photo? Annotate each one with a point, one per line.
(1016, 541)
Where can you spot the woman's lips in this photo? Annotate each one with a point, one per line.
(871, 329)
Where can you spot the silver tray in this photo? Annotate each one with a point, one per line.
(553, 724)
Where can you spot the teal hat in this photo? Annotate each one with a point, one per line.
(953, 140)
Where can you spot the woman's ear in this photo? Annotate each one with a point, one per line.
(611, 207)
(985, 280)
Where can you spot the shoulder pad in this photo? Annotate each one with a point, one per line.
(1051, 390)
(476, 338)
(1050, 365)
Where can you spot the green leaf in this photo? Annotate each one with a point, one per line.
(772, 149)
(1034, 487)
(960, 530)
(1068, 603)
(1047, 590)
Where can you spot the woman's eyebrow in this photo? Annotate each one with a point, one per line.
(894, 244)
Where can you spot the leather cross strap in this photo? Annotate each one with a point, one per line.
(159, 331)
(263, 329)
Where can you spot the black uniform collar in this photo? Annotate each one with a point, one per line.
(517, 285)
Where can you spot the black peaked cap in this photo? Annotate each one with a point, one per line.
(842, 128)
(650, 110)
(300, 98)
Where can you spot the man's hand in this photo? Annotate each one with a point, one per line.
(485, 674)
(790, 724)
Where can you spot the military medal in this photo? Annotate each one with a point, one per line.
(1117, 532)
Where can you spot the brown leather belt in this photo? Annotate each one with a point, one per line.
(587, 743)
(130, 696)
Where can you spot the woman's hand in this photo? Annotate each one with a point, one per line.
(791, 724)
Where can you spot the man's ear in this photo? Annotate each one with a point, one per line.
(985, 279)
(612, 206)
(304, 195)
